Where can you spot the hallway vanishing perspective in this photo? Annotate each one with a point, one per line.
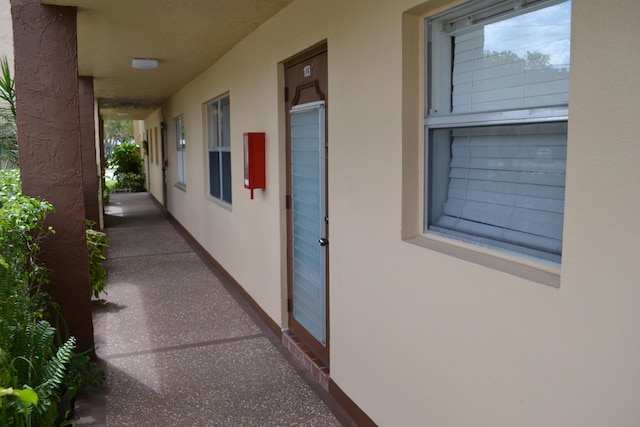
(180, 348)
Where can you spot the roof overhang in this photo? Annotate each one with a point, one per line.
(185, 36)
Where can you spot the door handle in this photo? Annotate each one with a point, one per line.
(323, 242)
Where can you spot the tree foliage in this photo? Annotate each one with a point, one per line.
(531, 61)
(115, 133)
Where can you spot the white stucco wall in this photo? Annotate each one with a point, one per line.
(6, 31)
(151, 131)
(419, 337)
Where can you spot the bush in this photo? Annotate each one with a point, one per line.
(130, 181)
(97, 242)
(30, 356)
(21, 231)
(126, 160)
(35, 363)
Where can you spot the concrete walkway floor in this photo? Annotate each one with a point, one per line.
(180, 349)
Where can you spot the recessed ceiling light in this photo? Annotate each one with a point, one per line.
(144, 63)
(123, 114)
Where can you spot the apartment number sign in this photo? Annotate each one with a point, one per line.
(306, 70)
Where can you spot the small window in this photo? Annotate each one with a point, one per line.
(219, 129)
(496, 125)
(181, 145)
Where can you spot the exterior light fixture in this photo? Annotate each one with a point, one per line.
(144, 63)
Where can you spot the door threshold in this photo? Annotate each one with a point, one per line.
(311, 363)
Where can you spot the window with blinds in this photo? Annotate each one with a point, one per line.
(181, 144)
(219, 135)
(496, 125)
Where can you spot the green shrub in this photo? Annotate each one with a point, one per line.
(21, 231)
(9, 184)
(128, 164)
(31, 357)
(83, 374)
(130, 181)
(97, 242)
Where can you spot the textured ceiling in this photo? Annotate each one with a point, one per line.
(186, 36)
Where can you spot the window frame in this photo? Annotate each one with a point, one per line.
(219, 141)
(438, 92)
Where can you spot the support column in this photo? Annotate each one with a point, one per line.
(91, 176)
(48, 121)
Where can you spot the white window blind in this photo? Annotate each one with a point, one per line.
(308, 213)
(181, 160)
(505, 183)
(497, 99)
(181, 144)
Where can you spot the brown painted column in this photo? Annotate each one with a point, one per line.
(90, 171)
(46, 80)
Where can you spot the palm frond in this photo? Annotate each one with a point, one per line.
(54, 370)
(8, 131)
(7, 85)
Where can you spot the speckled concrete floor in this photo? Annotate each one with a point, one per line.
(178, 349)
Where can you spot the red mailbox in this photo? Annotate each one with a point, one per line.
(254, 161)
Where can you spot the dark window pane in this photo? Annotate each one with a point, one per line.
(226, 176)
(214, 174)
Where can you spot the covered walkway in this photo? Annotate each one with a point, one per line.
(179, 348)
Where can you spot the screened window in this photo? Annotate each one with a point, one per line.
(496, 125)
(181, 145)
(219, 129)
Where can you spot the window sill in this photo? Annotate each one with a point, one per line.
(527, 269)
(181, 186)
(219, 202)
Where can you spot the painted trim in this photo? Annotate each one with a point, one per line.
(360, 418)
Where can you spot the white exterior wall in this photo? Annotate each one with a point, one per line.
(419, 337)
(151, 131)
(6, 32)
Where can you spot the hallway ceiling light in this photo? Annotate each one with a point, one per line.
(144, 63)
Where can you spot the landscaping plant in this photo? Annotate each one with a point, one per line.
(8, 133)
(31, 356)
(97, 242)
(37, 366)
(128, 164)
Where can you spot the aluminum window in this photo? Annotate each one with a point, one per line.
(181, 145)
(219, 143)
(496, 125)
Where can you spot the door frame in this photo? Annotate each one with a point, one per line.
(164, 161)
(291, 96)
